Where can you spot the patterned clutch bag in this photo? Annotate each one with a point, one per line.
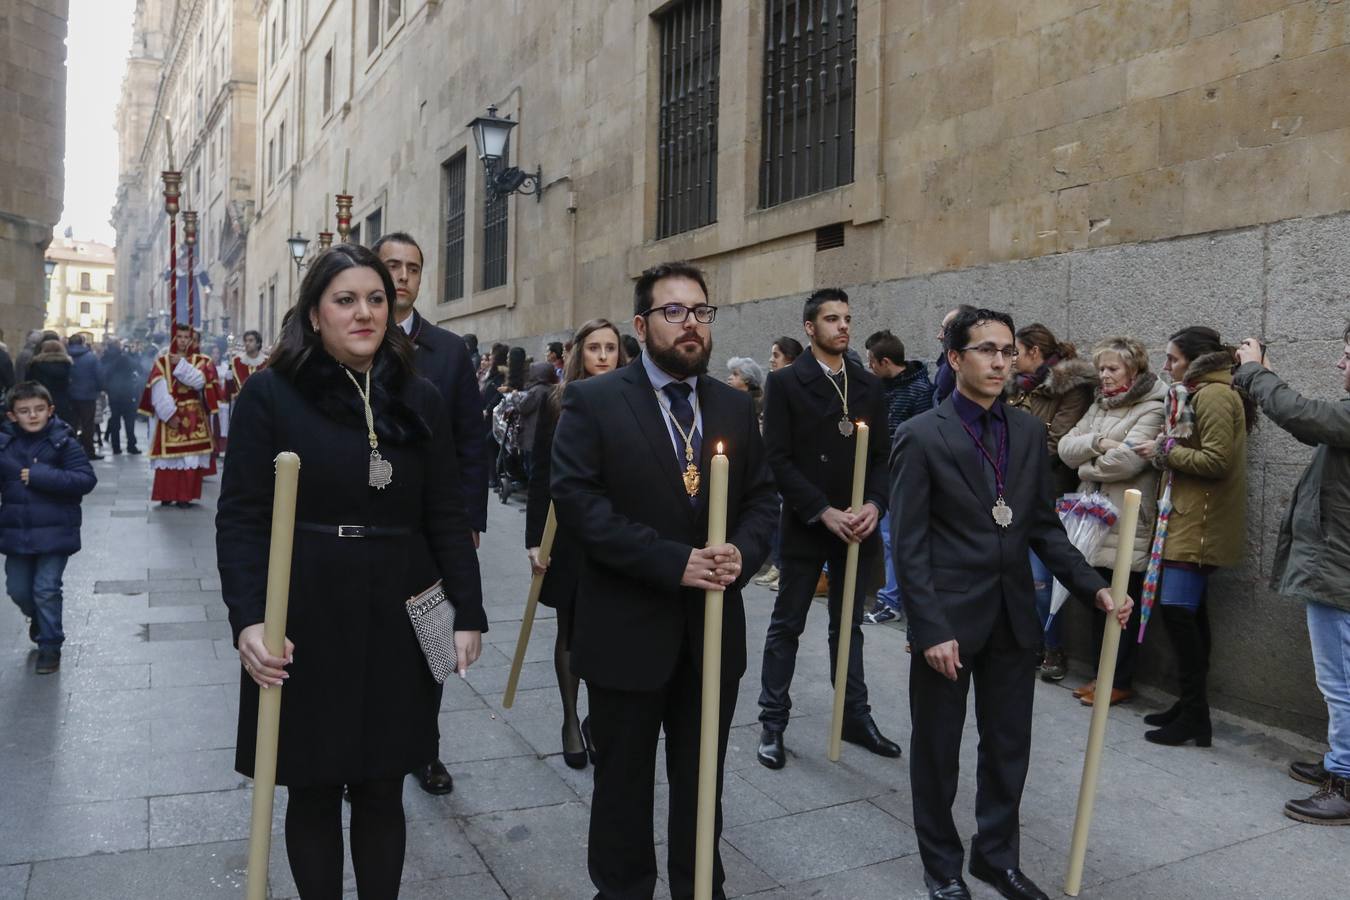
(433, 621)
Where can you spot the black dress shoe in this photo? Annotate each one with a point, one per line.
(771, 753)
(434, 779)
(33, 633)
(574, 759)
(865, 734)
(946, 888)
(587, 739)
(1011, 883)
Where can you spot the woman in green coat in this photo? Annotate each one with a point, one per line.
(1202, 451)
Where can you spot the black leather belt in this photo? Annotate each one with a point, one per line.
(354, 531)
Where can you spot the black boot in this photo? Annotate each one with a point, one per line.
(1166, 717)
(1192, 649)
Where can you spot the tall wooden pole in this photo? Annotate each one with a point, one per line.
(531, 604)
(846, 607)
(1101, 704)
(269, 700)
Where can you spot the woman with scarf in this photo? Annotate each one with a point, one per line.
(1127, 413)
(380, 518)
(1202, 454)
(596, 349)
(1054, 385)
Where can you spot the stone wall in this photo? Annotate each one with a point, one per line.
(32, 154)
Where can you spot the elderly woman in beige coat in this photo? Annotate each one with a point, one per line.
(1126, 412)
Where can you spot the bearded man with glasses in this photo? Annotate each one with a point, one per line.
(972, 494)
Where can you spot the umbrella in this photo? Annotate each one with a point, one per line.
(1088, 519)
(1154, 572)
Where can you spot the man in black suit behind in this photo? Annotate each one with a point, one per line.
(971, 496)
(443, 359)
(810, 411)
(630, 481)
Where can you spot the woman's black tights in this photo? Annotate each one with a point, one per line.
(314, 839)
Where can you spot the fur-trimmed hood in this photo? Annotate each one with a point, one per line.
(52, 357)
(324, 382)
(1208, 364)
(1063, 377)
(1146, 386)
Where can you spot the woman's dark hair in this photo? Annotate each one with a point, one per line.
(958, 329)
(631, 347)
(574, 369)
(515, 368)
(1043, 339)
(1201, 340)
(298, 339)
(470, 341)
(28, 390)
(499, 352)
(642, 291)
(789, 347)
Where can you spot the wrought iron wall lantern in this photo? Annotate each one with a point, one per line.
(298, 246)
(490, 134)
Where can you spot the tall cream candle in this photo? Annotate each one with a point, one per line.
(850, 585)
(710, 727)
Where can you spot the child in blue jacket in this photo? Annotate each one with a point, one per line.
(43, 474)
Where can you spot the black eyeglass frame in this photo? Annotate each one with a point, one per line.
(697, 312)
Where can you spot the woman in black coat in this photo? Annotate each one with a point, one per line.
(361, 704)
(596, 349)
(50, 367)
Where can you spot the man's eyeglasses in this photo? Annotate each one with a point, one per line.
(676, 314)
(989, 351)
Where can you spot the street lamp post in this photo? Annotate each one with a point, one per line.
(490, 134)
(298, 245)
(48, 269)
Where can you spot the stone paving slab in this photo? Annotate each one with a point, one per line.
(118, 771)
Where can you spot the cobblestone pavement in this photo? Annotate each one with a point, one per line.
(118, 782)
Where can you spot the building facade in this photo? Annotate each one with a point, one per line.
(191, 81)
(82, 289)
(1102, 166)
(32, 154)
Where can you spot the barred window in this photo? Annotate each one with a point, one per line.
(687, 147)
(495, 212)
(453, 177)
(810, 59)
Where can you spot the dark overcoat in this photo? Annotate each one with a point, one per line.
(360, 702)
(568, 558)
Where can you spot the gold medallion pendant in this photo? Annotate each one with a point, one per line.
(692, 479)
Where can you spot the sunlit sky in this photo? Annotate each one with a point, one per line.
(97, 46)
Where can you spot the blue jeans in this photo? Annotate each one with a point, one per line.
(34, 584)
(890, 594)
(1182, 587)
(1329, 633)
(1044, 585)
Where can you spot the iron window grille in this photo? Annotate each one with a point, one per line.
(495, 215)
(691, 47)
(454, 227)
(810, 63)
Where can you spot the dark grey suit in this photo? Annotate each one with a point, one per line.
(965, 578)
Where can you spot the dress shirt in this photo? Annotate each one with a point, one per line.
(659, 379)
(972, 415)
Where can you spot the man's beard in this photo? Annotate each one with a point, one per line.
(674, 362)
(817, 341)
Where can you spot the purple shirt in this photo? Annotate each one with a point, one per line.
(972, 416)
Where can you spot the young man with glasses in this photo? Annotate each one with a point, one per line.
(971, 494)
(630, 473)
(811, 412)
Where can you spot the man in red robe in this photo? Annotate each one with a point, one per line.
(180, 395)
(240, 369)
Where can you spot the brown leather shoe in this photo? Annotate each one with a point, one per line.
(1117, 696)
(1085, 690)
(823, 585)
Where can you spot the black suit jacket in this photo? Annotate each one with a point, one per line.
(811, 461)
(955, 565)
(443, 359)
(616, 488)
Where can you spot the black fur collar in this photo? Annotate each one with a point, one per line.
(324, 382)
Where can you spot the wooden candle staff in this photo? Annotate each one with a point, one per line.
(846, 607)
(711, 723)
(1101, 705)
(531, 604)
(269, 701)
